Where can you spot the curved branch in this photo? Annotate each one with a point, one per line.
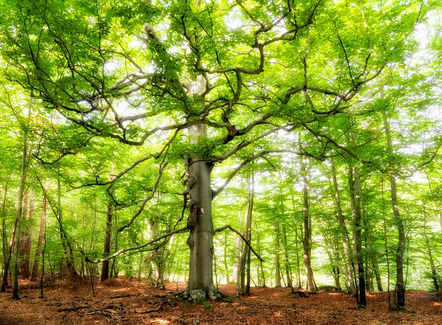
(139, 246)
(242, 237)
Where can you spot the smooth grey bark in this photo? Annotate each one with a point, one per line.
(349, 280)
(400, 284)
(200, 285)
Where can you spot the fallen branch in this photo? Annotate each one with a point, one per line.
(79, 307)
(129, 295)
(160, 305)
(242, 237)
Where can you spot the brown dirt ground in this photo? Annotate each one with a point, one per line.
(138, 303)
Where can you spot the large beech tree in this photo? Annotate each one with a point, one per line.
(201, 82)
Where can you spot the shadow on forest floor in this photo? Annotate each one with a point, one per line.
(124, 302)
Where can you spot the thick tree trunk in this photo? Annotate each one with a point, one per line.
(307, 240)
(200, 285)
(41, 234)
(400, 284)
(349, 281)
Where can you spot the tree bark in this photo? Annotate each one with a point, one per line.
(9, 257)
(244, 281)
(277, 258)
(355, 197)
(200, 285)
(22, 245)
(430, 256)
(24, 165)
(307, 240)
(349, 281)
(288, 268)
(72, 273)
(400, 284)
(5, 247)
(26, 266)
(107, 241)
(41, 234)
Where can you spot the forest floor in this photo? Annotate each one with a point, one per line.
(124, 302)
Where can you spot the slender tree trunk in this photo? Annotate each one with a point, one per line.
(400, 284)
(226, 265)
(246, 252)
(22, 249)
(5, 247)
(16, 252)
(357, 230)
(9, 257)
(28, 244)
(307, 241)
(277, 258)
(344, 235)
(69, 252)
(200, 285)
(288, 269)
(372, 258)
(438, 203)
(238, 253)
(260, 267)
(430, 255)
(298, 263)
(155, 256)
(387, 255)
(244, 283)
(107, 241)
(41, 236)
